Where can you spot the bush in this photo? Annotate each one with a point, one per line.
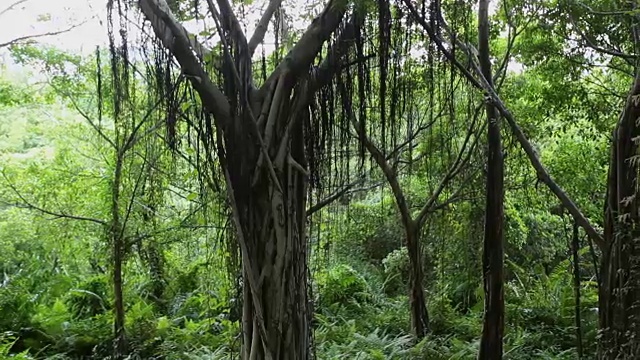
(88, 299)
(396, 269)
(342, 285)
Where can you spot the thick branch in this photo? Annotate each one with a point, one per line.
(263, 25)
(331, 65)
(389, 173)
(307, 48)
(175, 39)
(230, 23)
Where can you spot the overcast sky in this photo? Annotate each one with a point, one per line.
(32, 17)
(41, 16)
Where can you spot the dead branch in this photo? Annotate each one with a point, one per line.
(36, 36)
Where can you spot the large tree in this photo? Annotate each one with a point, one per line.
(259, 137)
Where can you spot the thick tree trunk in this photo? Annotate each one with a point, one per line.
(493, 328)
(276, 316)
(620, 266)
(419, 314)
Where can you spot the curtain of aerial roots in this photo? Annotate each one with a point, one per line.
(620, 273)
(268, 206)
(371, 96)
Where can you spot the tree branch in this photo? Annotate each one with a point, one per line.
(31, 37)
(230, 23)
(307, 48)
(454, 169)
(481, 83)
(10, 7)
(175, 39)
(626, 57)
(263, 26)
(333, 197)
(330, 66)
(60, 215)
(389, 173)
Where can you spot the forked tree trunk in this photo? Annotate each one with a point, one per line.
(619, 301)
(260, 147)
(412, 228)
(493, 252)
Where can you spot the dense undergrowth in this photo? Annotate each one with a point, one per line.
(69, 319)
(54, 304)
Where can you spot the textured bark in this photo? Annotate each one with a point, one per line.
(261, 151)
(493, 251)
(619, 301)
(276, 316)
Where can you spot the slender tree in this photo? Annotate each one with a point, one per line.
(493, 250)
(575, 248)
(413, 224)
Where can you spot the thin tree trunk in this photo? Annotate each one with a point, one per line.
(120, 344)
(419, 314)
(493, 327)
(575, 247)
(418, 309)
(485, 85)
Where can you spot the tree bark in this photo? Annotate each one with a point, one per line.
(417, 301)
(619, 301)
(493, 326)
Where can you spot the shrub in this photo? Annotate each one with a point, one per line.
(341, 285)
